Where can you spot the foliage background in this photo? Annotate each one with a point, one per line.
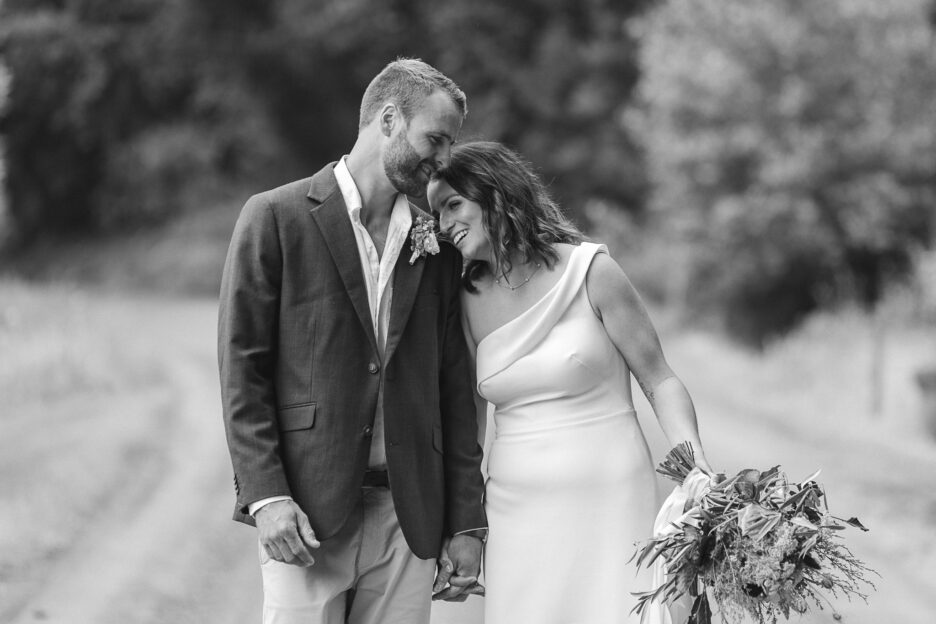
(752, 161)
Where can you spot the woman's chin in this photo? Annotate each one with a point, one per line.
(468, 255)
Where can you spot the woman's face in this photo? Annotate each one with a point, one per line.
(460, 221)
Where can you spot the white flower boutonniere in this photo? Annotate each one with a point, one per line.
(423, 239)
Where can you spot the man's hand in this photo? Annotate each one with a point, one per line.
(459, 567)
(285, 533)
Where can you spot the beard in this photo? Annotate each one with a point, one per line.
(402, 167)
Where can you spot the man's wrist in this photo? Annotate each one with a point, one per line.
(254, 507)
(480, 534)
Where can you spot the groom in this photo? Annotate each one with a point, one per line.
(344, 374)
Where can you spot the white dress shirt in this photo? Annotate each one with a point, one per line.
(378, 275)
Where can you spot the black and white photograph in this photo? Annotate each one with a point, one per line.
(467, 312)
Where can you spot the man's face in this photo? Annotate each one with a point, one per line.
(416, 149)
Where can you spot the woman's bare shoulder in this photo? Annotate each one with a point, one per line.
(608, 285)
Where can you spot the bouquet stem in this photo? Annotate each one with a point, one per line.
(678, 463)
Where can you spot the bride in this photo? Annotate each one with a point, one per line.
(556, 330)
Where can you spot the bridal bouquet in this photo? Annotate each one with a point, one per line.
(755, 543)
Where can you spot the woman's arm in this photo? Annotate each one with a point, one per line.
(617, 304)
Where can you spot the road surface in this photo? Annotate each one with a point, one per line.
(164, 550)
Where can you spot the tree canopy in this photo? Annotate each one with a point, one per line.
(125, 112)
(784, 150)
(795, 144)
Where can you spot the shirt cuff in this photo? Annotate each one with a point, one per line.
(255, 506)
(480, 533)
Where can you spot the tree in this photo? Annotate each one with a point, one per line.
(553, 79)
(795, 142)
(153, 104)
(116, 110)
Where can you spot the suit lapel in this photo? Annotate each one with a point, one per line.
(406, 278)
(331, 216)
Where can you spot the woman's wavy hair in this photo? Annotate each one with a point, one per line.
(516, 209)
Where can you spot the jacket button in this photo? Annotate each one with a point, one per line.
(367, 431)
(372, 368)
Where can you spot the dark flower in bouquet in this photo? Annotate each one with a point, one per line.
(754, 544)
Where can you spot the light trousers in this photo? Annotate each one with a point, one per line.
(366, 574)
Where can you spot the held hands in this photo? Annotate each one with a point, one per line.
(285, 533)
(459, 566)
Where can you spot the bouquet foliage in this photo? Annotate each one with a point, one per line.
(755, 544)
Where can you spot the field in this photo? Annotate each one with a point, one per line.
(116, 482)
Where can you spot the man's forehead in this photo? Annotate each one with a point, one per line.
(439, 108)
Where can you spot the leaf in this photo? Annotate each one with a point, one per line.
(808, 545)
(799, 497)
(855, 523)
(811, 477)
(803, 522)
(701, 611)
(756, 521)
(651, 550)
(768, 476)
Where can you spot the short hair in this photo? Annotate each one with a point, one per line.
(407, 82)
(516, 208)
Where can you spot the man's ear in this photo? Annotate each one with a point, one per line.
(389, 117)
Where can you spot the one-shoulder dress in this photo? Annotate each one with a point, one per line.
(570, 487)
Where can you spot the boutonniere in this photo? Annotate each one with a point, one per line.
(423, 239)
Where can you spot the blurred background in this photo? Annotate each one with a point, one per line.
(764, 170)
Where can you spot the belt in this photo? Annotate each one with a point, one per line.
(376, 478)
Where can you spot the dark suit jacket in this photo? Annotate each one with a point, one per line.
(300, 371)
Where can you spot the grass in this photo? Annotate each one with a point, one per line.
(845, 373)
(65, 377)
(53, 347)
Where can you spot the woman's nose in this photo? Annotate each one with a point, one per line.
(445, 221)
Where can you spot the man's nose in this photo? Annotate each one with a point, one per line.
(444, 156)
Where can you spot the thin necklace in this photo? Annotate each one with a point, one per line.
(508, 286)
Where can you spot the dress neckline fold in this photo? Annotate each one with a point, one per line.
(535, 304)
(539, 318)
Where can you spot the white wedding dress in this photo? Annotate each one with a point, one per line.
(571, 486)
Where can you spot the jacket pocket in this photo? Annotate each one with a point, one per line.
(296, 417)
(437, 438)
